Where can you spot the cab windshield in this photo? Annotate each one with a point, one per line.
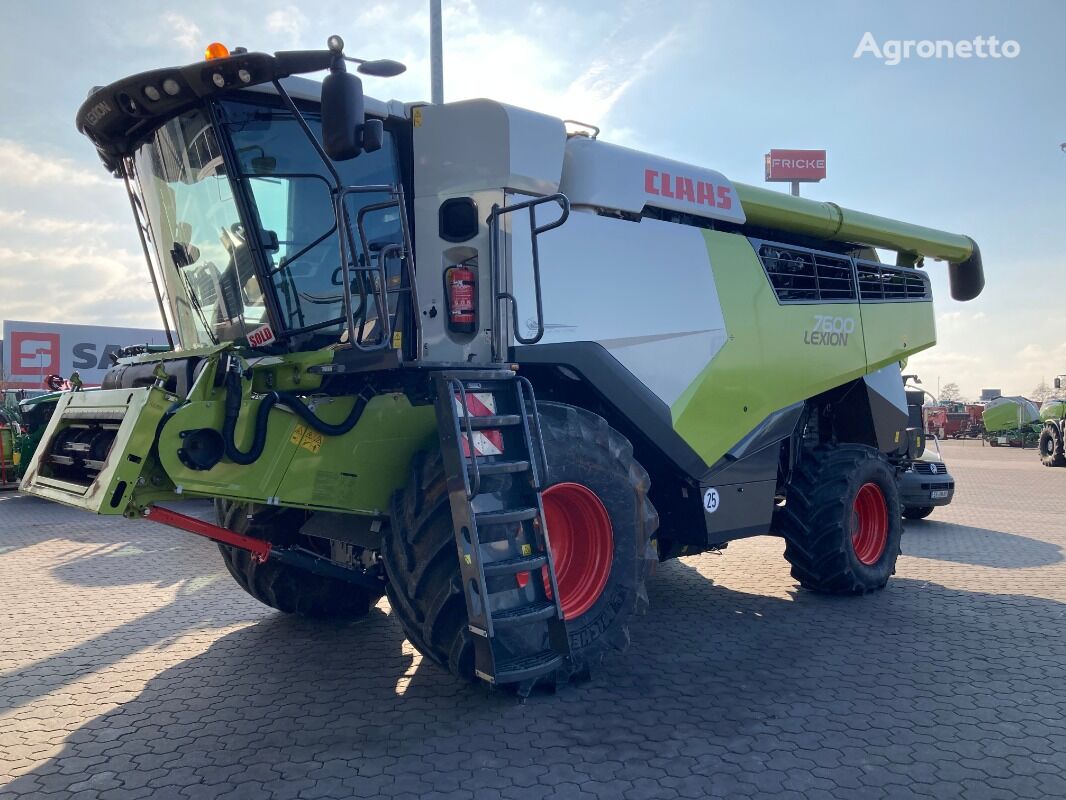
(200, 240)
(207, 250)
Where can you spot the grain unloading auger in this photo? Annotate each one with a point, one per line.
(494, 369)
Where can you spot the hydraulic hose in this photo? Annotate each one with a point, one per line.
(291, 401)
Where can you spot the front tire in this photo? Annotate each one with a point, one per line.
(422, 564)
(842, 520)
(1051, 447)
(282, 586)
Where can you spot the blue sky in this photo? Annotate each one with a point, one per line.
(970, 146)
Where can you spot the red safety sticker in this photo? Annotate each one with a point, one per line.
(480, 404)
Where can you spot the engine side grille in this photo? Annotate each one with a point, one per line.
(880, 282)
(807, 275)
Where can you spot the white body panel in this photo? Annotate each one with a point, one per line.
(481, 144)
(606, 176)
(643, 290)
(477, 149)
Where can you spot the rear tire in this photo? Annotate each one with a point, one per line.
(920, 512)
(842, 520)
(282, 586)
(422, 563)
(1051, 447)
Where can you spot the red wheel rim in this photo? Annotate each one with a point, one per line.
(582, 545)
(869, 524)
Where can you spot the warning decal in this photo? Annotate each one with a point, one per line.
(480, 404)
(307, 438)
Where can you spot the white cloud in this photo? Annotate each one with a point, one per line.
(288, 21)
(184, 31)
(67, 253)
(76, 283)
(20, 166)
(1012, 351)
(52, 226)
(608, 77)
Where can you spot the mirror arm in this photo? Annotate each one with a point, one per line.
(337, 183)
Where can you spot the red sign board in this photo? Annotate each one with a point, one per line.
(795, 165)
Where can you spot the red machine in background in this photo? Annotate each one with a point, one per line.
(954, 420)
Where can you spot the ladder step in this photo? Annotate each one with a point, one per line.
(523, 615)
(505, 517)
(512, 566)
(497, 421)
(500, 467)
(526, 667)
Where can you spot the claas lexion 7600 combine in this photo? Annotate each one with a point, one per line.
(477, 359)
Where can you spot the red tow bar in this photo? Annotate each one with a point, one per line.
(164, 516)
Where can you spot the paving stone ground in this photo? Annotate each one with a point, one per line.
(131, 666)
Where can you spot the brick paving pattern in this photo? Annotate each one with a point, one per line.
(131, 666)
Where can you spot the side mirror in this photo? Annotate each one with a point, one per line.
(270, 241)
(342, 115)
(373, 134)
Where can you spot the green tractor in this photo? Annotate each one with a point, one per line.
(22, 424)
(1052, 443)
(486, 364)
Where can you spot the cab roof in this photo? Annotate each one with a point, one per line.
(119, 117)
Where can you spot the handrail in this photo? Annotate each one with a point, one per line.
(535, 231)
(380, 276)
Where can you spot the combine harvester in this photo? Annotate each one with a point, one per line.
(495, 369)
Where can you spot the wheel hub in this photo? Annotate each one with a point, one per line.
(582, 545)
(869, 524)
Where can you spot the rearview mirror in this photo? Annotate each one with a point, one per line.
(342, 115)
(372, 135)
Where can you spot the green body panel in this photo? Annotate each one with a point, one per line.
(289, 373)
(137, 413)
(256, 482)
(771, 209)
(778, 354)
(893, 331)
(360, 471)
(357, 471)
(768, 361)
(1053, 409)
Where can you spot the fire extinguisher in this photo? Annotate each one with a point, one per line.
(461, 282)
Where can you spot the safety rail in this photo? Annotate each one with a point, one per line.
(375, 269)
(500, 344)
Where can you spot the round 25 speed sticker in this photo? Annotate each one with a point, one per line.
(711, 500)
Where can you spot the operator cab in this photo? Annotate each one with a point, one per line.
(254, 234)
